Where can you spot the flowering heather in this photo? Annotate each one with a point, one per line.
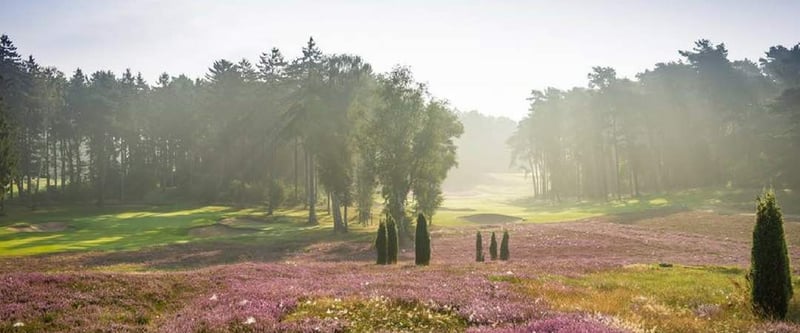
(255, 287)
(87, 301)
(269, 292)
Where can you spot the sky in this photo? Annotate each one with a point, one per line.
(479, 55)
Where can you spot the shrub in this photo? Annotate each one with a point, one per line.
(770, 275)
(493, 247)
(275, 196)
(504, 254)
(391, 236)
(381, 245)
(422, 242)
(478, 248)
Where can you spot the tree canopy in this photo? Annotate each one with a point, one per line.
(701, 121)
(321, 126)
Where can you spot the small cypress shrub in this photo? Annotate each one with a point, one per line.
(770, 276)
(391, 236)
(478, 248)
(493, 247)
(504, 254)
(422, 242)
(381, 245)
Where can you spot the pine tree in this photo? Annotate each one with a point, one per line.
(478, 248)
(271, 66)
(770, 275)
(422, 246)
(6, 158)
(493, 247)
(381, 245)
(391, 235)
(504, 254)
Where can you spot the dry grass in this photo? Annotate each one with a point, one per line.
(658, 299)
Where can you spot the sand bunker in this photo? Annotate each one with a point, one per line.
(39, 227)
(490, 218)
(216, 230)
(447, 209)
(243, 221)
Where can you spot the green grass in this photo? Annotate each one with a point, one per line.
(42, 183)
(664, 299)
(509, 194)
(136, 227)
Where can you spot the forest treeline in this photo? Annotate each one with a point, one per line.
(705, 120)
(319, 128)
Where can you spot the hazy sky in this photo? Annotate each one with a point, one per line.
(481, 55)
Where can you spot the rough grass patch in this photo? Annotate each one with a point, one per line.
(664, 299)
(379, 314)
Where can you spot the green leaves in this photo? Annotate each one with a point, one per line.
(413, 145)
(479, 247)
(493, 247)
(422, 247)
(382, 245)
(770, 274)
(7, 158)
(392, 241)
(505, 254)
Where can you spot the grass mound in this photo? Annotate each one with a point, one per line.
(218, 230)
(39, 227)
(491, 218)
(255, 221)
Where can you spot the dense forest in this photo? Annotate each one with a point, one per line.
(319, 128)
(702, 121)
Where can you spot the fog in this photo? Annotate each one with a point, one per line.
(352, 166)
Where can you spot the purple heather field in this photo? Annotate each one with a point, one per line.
(259, 293)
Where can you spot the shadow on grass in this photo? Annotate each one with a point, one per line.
(635, 216)
(724, 201)
(116, 228)
(173, 237)
(321, 244)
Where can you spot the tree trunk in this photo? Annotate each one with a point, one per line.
(312, 190)
(615, 149)
(78, 166)
(122, 167)
(102, 161)
(531, 167)
(46, 165)
(345, 218)
(338, 224)
(296, 173)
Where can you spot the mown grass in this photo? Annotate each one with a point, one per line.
(660, 299)
(510, 194)
(136, 227)
(379, 314)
